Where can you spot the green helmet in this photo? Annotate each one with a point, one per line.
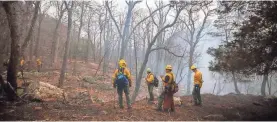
(148, 70)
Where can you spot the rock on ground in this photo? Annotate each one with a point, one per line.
(45, 92)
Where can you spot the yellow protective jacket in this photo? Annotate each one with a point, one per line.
(150, 78)
(21, 62)
(38, 62)
(168, 79)
(126, 73)
(198, 78)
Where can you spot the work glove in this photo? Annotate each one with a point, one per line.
(114, 86)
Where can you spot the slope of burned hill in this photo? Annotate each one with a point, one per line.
(91, 97)
(228, 107)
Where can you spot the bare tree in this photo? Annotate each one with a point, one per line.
(41, 17)
(79, 36)
(149, 50)
(89, 37)
(161, 21)
(12, 10)
(60, 13)
(125, 35)
(69, 11)
(195, 34)
(31, 29)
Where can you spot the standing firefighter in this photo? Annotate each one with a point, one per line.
(39, 64)
(150, 83)
(198, 81)
(22, 62)
(166, 97)
(122, 80)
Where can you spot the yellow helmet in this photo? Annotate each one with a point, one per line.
(148, 70)
(193, 67)
(122, 63)
(168, 67)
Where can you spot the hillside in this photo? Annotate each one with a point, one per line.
(92, 98)
(228, 107)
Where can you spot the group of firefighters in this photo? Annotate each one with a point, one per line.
(122, 81)
(38, 64)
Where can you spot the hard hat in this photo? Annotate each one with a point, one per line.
(168, 67)
(122, 63)
(148, 70)
(193, 67)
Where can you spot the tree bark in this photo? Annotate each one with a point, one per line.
(13, 15)
(126, 29)
(38, 37)
(89, 40)
(79, 36)
(189, 81)
(56, 34)
(235, 83)
(106, 38)
(265, 80)
(68, 37)
(30, 32)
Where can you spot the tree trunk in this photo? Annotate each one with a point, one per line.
(189, 81)
(89, 39)
(79, 34)
(31, 53)
(68, 37)
(269, 85)
(106, 38)
(54, 41)
(126, 29)
(38, 38)
(13, 16)
(235, 83)
(94, 48)
(265, 79)
(27, 39)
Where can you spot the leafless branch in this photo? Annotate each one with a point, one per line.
(116, 24)
(189, 42)
(168, 50)
(66, 5)
(153, 20)
(133, 30)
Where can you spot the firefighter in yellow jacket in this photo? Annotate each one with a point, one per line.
(198, 81)
(122, 81)
(150, 83)
(39, 63)
(166, 97)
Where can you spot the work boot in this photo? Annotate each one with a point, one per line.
(172, 110)
(129, 107)
(200, 104)
(158, 109)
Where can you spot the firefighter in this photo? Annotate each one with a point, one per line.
(166, 97)
(150, 83)
(198, 81)
(122, 81)
(39, 64)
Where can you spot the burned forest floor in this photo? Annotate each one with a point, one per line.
(91, 97)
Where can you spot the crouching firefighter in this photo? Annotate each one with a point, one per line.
(122, 81)
(170, 87)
